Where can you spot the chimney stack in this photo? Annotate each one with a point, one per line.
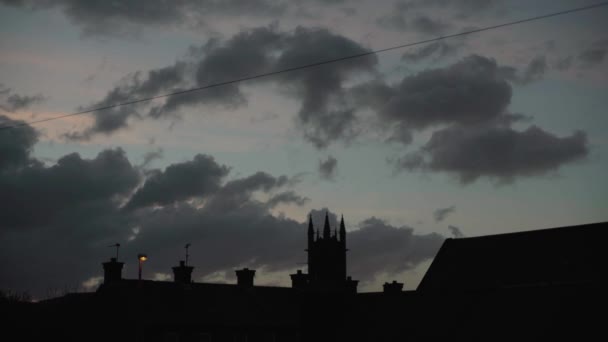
(112, 271)
(245, 277)
(393, 287)
(351, 285)
(182, 274)
(299, 280)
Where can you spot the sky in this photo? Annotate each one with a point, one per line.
(493, 132)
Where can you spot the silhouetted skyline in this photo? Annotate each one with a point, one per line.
(505, 282)
(496, 132)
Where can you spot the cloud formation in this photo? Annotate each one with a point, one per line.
(456, 232)
(431, 17)
(324, 116)
(462, 7)
(12, 102)
(499, 153)
(398, 248)
(534, 71)
(16, 144)
(433, 52)
(58, 220)
(470, 91)
(421, 23)
(127, 18)
(466, 105)
(441, 213)
(591, 56)
(328, 167)
(595, 54)
(196, 178)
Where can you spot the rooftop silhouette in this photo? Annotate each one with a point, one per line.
(530, 285)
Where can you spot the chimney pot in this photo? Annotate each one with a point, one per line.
(393, 287)
(182, 273)
(112, 271)
(299, 280)
(245, 277)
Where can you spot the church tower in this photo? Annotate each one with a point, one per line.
(327, 258)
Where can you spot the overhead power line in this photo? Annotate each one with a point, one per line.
(312, 65)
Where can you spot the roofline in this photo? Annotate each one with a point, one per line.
(522, 233)
(197, 283)
(532, 231)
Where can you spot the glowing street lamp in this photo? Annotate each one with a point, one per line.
(141, 258)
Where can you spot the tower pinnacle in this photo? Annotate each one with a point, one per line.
(326, 228)
(342, 231)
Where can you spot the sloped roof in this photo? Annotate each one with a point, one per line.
(547, 257)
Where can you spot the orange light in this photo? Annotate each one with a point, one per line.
(142, 257)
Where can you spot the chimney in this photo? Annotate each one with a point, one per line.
(182, 274)
(393, 287)
(245, 277)
(299, 280)
(351, 285)
(112, 271)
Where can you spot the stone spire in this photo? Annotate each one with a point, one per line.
(342, 231)
(326, 228)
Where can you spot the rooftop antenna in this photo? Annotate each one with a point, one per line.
(117, 245)
(187, 255)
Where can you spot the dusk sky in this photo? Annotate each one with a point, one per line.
(492, 132)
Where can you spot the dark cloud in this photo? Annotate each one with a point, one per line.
(441, 213)
(151, 156)
(349, 11)
(245, 54)
(463, 7)
(237, 193)
(379, 243)
(127, 18)
(328, 167)
(373, 94)
(425, 24)
(466, 104)
(563, 63)
(394, 21)
(58, 221)
(534, 71)
(467, 92)
(422, 23)
(35, 194)
(415, 15)
(286, 197)
(324, 116)
(496, 152)
(594, 54)
(131, 88)
(11, 102)
(456, 232)
(434, 52)
(15, 144)
(196, 178)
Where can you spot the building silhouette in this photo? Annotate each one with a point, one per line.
(326, 260)
(535, 285)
